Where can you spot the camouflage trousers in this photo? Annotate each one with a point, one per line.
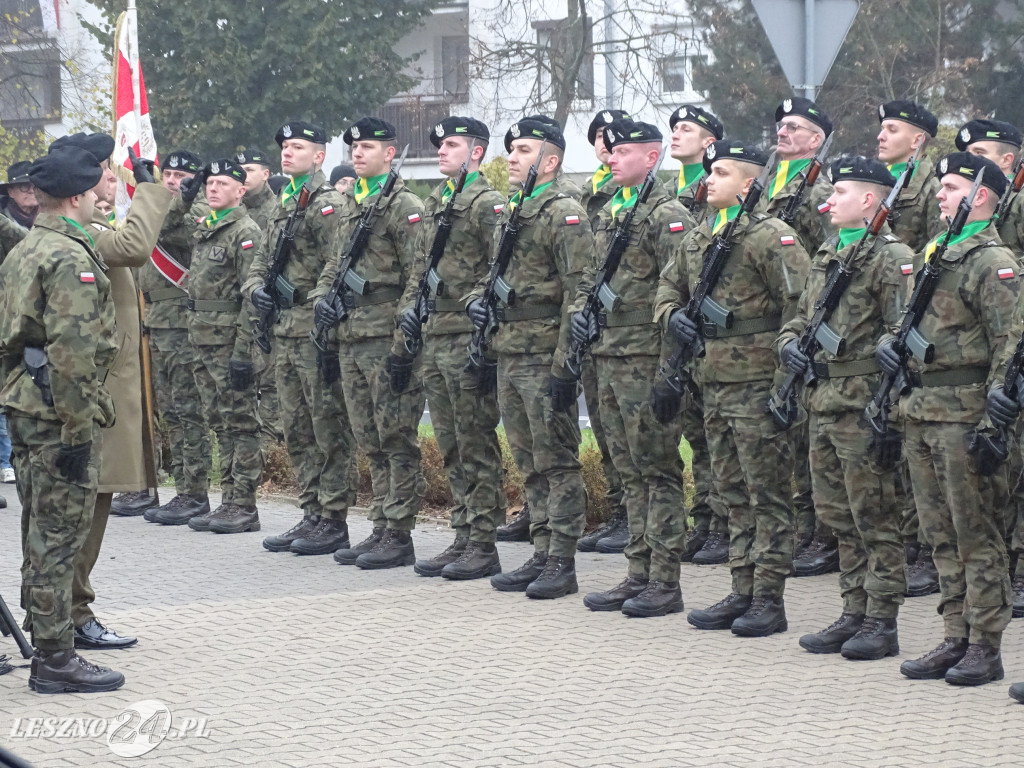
(386, 427)
(646, 454)
(964, 531)
(232, 414)
(316, 431)
(752, 465)
(180, 409)
(269, 410)
(858, 501)
(546, 447)
(708, 511)
(464, 427)
(615, 494)
(803, 497)
(55, 519)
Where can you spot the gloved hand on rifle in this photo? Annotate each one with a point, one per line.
(72, 462)
(399, 371)
(563, 393)
(584, 327)
(190, 187)
(887, 358)
(682, 327)
(262, 301)
(327, 314)
(142, 169)
(477, 313)
(793, 359)
(887, 449)
(241, 375)
(1002, 409)
(666, 402)
(410, 324)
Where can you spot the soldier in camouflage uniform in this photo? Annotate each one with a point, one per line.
(57, 338)
(464, 420)
(751, 461)
(313, 416)
(220, 329)
(969, 323)
(175, 360)
(645, 451)
(537, 399)
(382, 382)
(854, 494)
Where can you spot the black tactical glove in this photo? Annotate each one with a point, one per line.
(190, 187)
(400, 372)
(410, 324)
(72, 462)
(142, 169)
(477, 313)
(682, 327)
(887, 358)
(241, 375)
(563, 393)
(261, 300)
(329, 365)
(667, 402)
(794, 360)
(584, 327)
(1002, 409)
(327, 314)
(986, 454)
(887, 449)
(481, 380)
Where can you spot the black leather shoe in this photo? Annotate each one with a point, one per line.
(1018, 597)
(616, 538)
(479, 560)
(659, 599)
(283, 541)
(181, 509)
(612, 599)
(766, 616)
(66, 672)
(133, 504)
(715, 550)
(349, 556)
(94, 636)
(831, 639)
(588, 543)
(722, 614)
(558, 579)
(235, 519)
(436, 564)
(934, 664)
(329, 535)
(981, 664)
(821, 556)
(922, 576)
(1017, 692)
(394, 550)
(518, 528)
(694, 543)
(876, 639)
(519, 579)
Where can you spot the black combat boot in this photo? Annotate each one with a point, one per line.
(803, 541)
(766, 616)
(981, 664)
(1017, 692)
(876, 639)
(479, 560)
(181, 509)
(922, 576)
(283, 541)
(722, 614)
(821, 556)
(236, 519)
(694, 543)
(612, 599)
(934, 664)
(518, 528)
(65, 671)
(202, 522)
(519, 579)
(616, 538)
(831, 639)
(328, 536)
(715, 550)
(394, 550)
(1018, 597)
(436, 564)
(659, 599)
(558, 579)
(588, 543)
(349, 556)
(133, 504)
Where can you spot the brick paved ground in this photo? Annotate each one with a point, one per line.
(300, 662)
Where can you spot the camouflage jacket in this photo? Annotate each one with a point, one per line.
(870, 305)
(595, 201)
(10, 235)
(813, 225)
(555, 245)
(970, 321)
(262, 207)
(317, 239)
(165, 303)
(760, 284)
(686, 197)
(387, 264)
(466, 255)
(56, 296)
(658, 228)
(1011, 225)
(218, 314)
(916, 210)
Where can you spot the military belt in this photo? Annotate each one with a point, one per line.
(842, 370)
(381, 296)
(445, 305)
(204, 305)
(163, 294)
(957, 377)
(620, 319)
(743, 327)
(532, 312)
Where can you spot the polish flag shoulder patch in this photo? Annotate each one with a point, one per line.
(1006, 273)
(499, 208)
(246, 245)
(787, 240)
(907, 269)
(824, 208)
(676, 226)
(572, 219)
(327, 210)
(413, 218)
(87, 277)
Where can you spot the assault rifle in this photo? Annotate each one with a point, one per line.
(997, 447)
(1012, 188)
(894, 215)
(601, 294)
(818, 335)
(810, 176)
(8, 626)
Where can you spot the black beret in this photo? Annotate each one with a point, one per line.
(226, 167)
(909, 112)
(370, 129)
(457, 125)
(99, 144)
(18, 173)
(300, 129)
(539, 127)
(182, 160)
(804, 108)
(728, 149)
(860, 168)
(277, 182)
(626, 131)
(969, 165)
(66, 171)
(342, 171)
(987, 130)
(252, 157)
(603, 119)
(701, 117)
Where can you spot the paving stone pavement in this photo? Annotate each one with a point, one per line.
(297, 661)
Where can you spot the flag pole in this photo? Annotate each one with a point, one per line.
(133, 63)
